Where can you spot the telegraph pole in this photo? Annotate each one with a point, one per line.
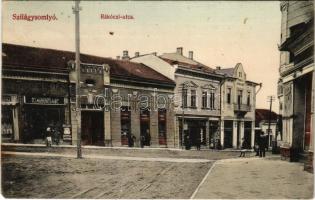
(76, 11)
(270, 99)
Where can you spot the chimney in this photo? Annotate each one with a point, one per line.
(218, 68)
(154, 53)
(137, 54)
(118, 57)
(179, 50)
(125, 55)
(191, 55)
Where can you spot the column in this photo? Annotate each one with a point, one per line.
(107, 129)
(74, 125)
(135, 125)
(115, 127)
(235, 134)
(241, 132)
(207, 134)
(170, 128)
(253, 134)
(222, 132)
(16, 123)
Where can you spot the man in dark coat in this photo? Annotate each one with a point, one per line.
(262, 145)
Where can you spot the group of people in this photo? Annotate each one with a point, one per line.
(260, 146)
(53, 135)
(144, 140)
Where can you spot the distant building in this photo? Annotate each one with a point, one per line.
(237, 108)
(197, 96)
(296, 82)
(262, 123)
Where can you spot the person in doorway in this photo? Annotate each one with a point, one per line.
(142, 141)
(243, 148)
(198, 143)
(256, 148)
(48, 137)
(262, 145)
(148, 137)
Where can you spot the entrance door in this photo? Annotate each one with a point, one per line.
(213, 133)
(92, 128)
(228, 134)
(248, 133)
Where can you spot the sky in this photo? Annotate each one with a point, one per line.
(220, 33)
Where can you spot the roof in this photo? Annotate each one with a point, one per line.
(176, 58)
(227, 71)
(42, 59)
(263, 114)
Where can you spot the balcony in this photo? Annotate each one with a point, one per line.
(242, 108)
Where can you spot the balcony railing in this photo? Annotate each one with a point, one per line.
(242, 107)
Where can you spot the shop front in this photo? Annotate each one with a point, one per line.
(39, 113)
(9, 119)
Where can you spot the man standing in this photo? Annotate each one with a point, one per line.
(262, 145)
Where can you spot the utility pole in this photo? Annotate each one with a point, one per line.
(270, 99)
(76, 11)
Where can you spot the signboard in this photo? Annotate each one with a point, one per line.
(44, 100)
(9, 100)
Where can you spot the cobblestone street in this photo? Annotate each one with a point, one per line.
(149, 173)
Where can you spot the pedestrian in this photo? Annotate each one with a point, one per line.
(142, 141)
(262, 145)
(134, 139)
(256, 148)
(198, 143)
(243, 148)
(48, 137)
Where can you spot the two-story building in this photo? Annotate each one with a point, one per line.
(296, 82)
(238, 102)
(197, 95)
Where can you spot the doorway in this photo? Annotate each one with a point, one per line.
(92, 123)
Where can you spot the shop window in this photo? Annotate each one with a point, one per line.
(162, 126)
(6, 123)
(193, 99)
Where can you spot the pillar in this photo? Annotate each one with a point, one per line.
(207, 134)
(154, 132)
(107, 129)
(241, 132)
(222, 132)
(135, 125)
(115, 127)
(235, 134)
(253, 134)
(16, 123)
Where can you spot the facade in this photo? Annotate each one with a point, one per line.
(262, 124)
(197, 96)
(296, 85)
(238, 97)
(118, 99)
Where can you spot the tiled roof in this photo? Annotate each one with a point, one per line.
(25, 57)
(263, 114)
(227, 71)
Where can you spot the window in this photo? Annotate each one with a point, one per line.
(184, 98)
(204, 99)
(125, 122)
(228, 96)
(162, 126)
(193, 98)
(248, 98)
(240, 74)
(212, 99)
(239, 97)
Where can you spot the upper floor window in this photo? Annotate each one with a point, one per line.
(239, 96)
(204, 99)
(248, 98)
(193, 98)
(184, 98)
(212, 100)
(240, 74)
(228, 96)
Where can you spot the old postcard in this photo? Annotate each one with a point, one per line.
(157, 99)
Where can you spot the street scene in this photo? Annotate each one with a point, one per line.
(157, 100)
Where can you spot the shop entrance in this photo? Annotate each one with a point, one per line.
(38, 118)
(248, 134)
(228, 134)
(197, 131)
(92, 128)
(145, 126)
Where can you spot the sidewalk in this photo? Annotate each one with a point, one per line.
(255, 178)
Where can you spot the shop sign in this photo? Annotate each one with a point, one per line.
(44, 100)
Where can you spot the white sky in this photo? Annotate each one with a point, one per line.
(220, 33)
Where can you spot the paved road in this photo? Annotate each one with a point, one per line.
(256, 178)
